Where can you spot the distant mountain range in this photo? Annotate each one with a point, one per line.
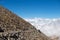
(47, 26)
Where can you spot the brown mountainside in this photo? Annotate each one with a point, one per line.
(13, 27)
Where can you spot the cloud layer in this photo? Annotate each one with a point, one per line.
(47, 26)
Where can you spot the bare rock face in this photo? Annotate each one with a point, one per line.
(13, 27)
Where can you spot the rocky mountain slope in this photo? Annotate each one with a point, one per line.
(13, 27)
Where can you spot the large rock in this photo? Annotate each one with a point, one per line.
(14, 27)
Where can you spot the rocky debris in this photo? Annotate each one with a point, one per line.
(21, 35)
(54, 37)
(13, 27)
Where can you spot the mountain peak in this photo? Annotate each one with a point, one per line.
(1, 6)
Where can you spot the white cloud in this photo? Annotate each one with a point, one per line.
(47, 26)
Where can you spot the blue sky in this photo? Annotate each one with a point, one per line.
(33, 8)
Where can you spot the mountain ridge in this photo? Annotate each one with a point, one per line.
(14, 27)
